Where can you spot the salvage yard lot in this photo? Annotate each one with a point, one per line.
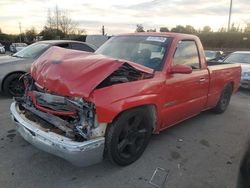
(203, 151)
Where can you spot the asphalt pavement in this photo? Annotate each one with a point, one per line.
(202, 152)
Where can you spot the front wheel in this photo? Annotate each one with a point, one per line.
(224, 100)
(13, 86)
(128, 136)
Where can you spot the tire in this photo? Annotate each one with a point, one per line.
(224, 100)
(12, 86)
(128, 136)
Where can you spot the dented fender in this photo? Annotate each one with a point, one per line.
(113, 100)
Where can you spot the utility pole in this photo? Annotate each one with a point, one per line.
(229, 18)
(20, 30)
(103, 30)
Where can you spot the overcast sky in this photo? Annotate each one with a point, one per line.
(121, 16)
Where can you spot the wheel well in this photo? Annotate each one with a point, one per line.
(152, 109)
(230, 84)
(17, 72)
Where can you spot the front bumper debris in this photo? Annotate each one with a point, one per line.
(78, 153)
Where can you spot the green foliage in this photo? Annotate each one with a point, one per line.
(49, 33)
(7, 37)
(30, 35)
(151, 30)
(164, 29)
(225, 40)
(139, 28)
(247, 28)
(181, 29)
(206, 29)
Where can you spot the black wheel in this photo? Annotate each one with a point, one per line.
(224, 100)
(13, 86)
(128, 136)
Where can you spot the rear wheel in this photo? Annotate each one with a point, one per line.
(224, 100)
(128, 136)
(13, 86)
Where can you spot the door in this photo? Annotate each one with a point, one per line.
(185, 94)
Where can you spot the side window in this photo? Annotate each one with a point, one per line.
(82, 47)
(63, 45)
(187, 54)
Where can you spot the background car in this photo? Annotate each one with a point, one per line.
(2, 49)
(97, 40)
(12, 67)
(214, 55)
(16, 47)
(243, 58)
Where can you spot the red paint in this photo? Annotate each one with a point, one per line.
(176, 97)
(75, 73)
(181, 69)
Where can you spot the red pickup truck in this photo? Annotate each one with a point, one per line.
(82, 106)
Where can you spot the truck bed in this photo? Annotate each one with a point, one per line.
(220, 74)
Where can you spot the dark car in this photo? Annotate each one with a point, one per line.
(12, 67)
(214, 55)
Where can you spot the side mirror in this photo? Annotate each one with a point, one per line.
(181, 69)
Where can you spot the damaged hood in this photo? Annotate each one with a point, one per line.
(75, 73)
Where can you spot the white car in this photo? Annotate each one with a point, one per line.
(243, 58)
(16, 47)
(2, 49)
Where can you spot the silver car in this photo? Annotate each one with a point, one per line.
(12, 67)
(16, 47)
(243, 58)
(2, 49)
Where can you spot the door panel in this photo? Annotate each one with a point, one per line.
(185, 94)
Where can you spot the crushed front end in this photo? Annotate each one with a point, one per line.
(64, 126)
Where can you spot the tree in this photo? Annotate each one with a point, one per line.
(67, 25)
(0, 30)
(151, 30)
(178, 29)
(139, 28)
(49, 33)
(59, 21)
(233, 29)
(30, 34)
(222, 30)
(190, 29)
(164, 29)
(206, 29)
(181, 29)
(247, 28)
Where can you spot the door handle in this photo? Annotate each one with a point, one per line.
(202, 79)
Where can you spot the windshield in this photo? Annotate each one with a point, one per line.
(210, 54)
(238, 58)
(32, 51)
(145, 50)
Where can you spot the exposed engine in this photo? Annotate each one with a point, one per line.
(126, 73)
(74, 116)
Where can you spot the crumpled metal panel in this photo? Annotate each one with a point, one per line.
(78, 153)
(75, 73)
